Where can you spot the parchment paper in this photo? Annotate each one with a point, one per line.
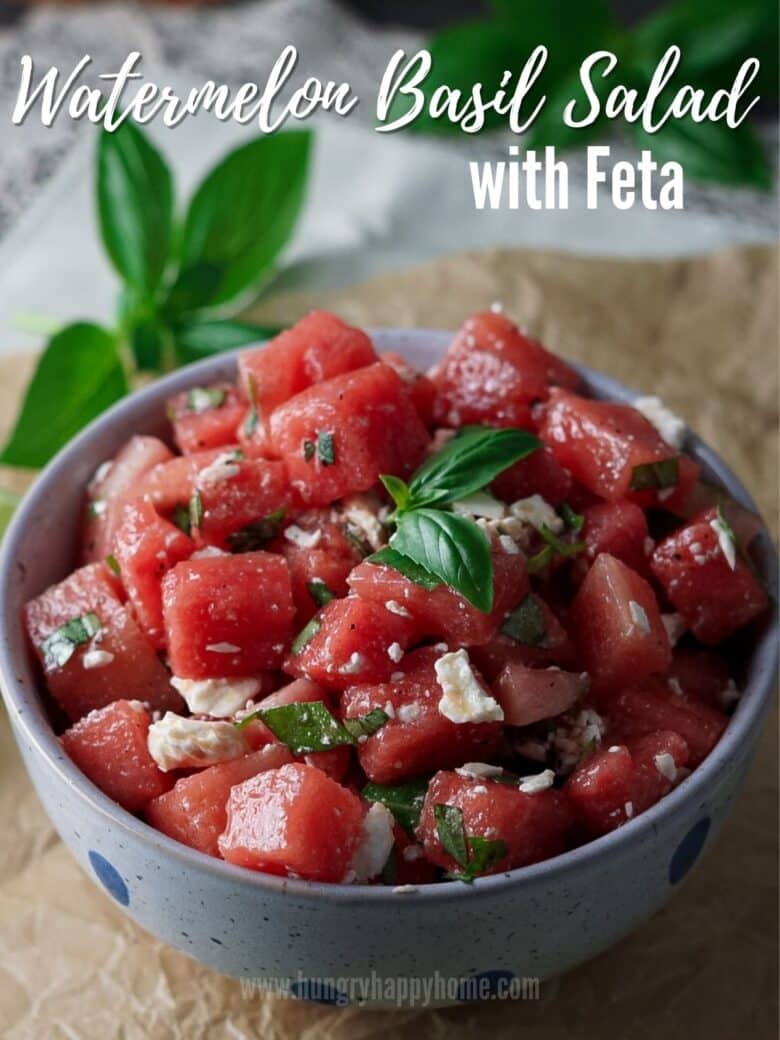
(704, 334)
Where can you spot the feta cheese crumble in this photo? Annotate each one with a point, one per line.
(638, 617)
(96, 659)
(362, 514)
(354, 665)
(224, 467)
(478, 770)
(538, 782)
(725, 541)
(537, 512)
(408, 712)
(463, 699)
(303, 539)
(396, 608)
(665, 765)
(220, 698)
(374, 845)
(629, 810)
(670, 426)
(675, 627)
(223, 648)
(175, 742)
(480, 504)
(395, 652)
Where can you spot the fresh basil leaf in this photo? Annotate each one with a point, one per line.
(253, 415)
(256, 535)
(326, 450)
(654, 476)
(397, 489)
(307, 633)
(181, 517)
(451, 548)
(77, 377)
(195, 339)
(135, 206)
(526, 623)
(303, 727)
(196, 511)
(574, 521)
(365, 725)
(319, 592)
(710, 151)
(562, 548)
(239, 219)
(59, 647)
(113, 564)
(468, 462)
(405, 801)
(484, 853)
(540, 561)
(389, 557)
(452, 832)
(8, 503)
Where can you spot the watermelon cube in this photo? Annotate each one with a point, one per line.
(90, 648)
(618, 627)
(318, 347)
(617, 528)
(528, 695)
(417, 738)
(206, 417)
(194, 812)
(706, 580)
(109, 747)
(146, 547)
(171, 483)
(532, 827)
(235, 493)
(293, 820)
(531, 635)
(419, 387)
(539, 473)
(227, 615)
(337, 437)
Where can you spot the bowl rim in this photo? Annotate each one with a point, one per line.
(44, 742)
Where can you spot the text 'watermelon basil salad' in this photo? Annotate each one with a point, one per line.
(368, 624)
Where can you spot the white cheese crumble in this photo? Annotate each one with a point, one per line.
(674, 685)
(224, 467)
(303, 539)
(729, 694)
(478, 770)
(537, 512)
(207, 552)
(395, 652)
(223, 648)
(396, 608)
(538, 782)
(508, 544)
(629, 810)
(362, 513)
(412, 852)
(404, 890)
(220, 698)
(725, 541)
(670, 426)
(639, 617)
(463, 699)
(480, 504)
(175, 742)
(355, 664)
(96, 659)
(408, 712)
(665, 765)
(578, 737)
(675, 627)
(374, 845)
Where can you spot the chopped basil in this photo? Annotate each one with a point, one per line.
(397, 489)
(113, 564)
(181, 517)
(540, 561)
(366, 725)
(309, 448)
(196, 511)
(319, 592)
(405, 801)
(573, 521)
(252, 416)
(404, 565)
(204, 398)
(526, 624)
(654, 476)
(307, 633)
(475, 855)
(326, 450)
(728, 530)
(258, 534)
(555, 546)
(59, 647)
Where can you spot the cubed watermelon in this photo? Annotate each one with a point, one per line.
(146, 547)
(295, 821)
(417, 738)
(706, 580)
(533, 827)
(531, 635)
(102, 655)
(109, 747)
(194, 812)
(227, 615)
(235, 494)
(206, 417)
(419, 387)
(617, 528)
(615, 452)
(171, 483)
(618, 627)
(701, 675)
(337, 437)
(528, 695)
(539, 473)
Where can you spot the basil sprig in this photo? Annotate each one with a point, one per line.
(433, 546)
(59, 647)
(309, 726)
(180, 277)
(655, 476)
(474, 855)
(405, 801)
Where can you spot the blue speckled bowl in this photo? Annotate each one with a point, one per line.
(316, 939)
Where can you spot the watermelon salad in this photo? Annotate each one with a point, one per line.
(358, 623)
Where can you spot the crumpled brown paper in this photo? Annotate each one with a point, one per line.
(703, 333)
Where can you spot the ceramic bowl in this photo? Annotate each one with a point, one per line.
(357, 944)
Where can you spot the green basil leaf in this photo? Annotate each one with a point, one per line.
(135, 206)
(196, 510)
(326, 450)
(468, 462)
(77, 377)
(196, 339)
(526, 623)
(451, 548)
(710, 151)
(562, 548)
(405, 801)
(484, 853)
(319, 591)
(397, 489)
(307, 633)
(365, 725)
(540, 561)
(8, 503)
(452, 832)
(654, 476)
(240, 218)
(256, 535)
(181, 517)
(574, 521)
(113, 564)
(303, 727)
(389, 557)
(59, 647)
